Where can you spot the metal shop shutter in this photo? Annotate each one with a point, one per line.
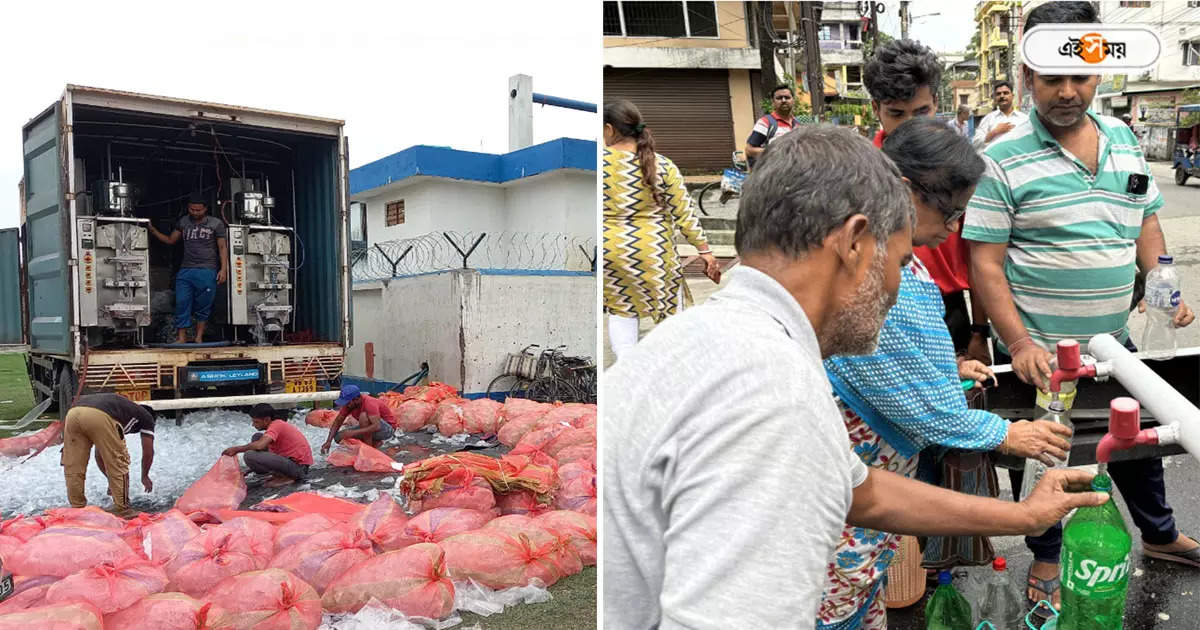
(688, 111)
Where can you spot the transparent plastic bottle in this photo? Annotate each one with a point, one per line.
(1034, 468)
(1002, 606)
(1162, 298)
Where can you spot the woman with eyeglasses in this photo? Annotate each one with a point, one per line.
(908, 395)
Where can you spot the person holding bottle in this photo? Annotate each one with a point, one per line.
(1061, 222)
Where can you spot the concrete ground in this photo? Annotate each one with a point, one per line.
(1162, 595)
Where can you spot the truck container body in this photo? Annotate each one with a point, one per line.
(102, 166)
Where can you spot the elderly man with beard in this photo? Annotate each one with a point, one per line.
(727, 468)
(1060, 223)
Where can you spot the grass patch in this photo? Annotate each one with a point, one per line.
(573, 606)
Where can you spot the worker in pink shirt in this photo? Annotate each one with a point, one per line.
(278, 449)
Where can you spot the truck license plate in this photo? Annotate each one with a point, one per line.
(301, 386)
(136, 395)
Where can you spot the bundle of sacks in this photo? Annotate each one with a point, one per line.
(525, 518)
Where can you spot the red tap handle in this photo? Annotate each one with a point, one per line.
(1124, 418)
(1068, 355)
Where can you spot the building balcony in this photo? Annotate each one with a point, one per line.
(838, 44)
(997, 39)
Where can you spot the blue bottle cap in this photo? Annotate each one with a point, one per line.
(944, 577)
(1166, 260)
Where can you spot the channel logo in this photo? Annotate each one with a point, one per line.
(1090, 48)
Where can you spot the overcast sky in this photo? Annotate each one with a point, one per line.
(398, 73)
(949, 32)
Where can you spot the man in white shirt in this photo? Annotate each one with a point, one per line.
(959, 122)
(728, 472)
(1000, 120)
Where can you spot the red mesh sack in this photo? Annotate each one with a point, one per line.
(383, 521)
(22, 445)
(110, 587)
(578, 494)
(272, 599)
(261, 533)
(324, 418)
(295, 531)
(323, 557)
(28, 592)
(222, 487)
(498, 560)
(535, 466)
(163, 535)
(371, 459)
(562, 553)
(214, 555)
(578, 528)
(448, 416)
(167, 611)
(460, 488)
(22, 528)
(72, 616)
(517, 419)
(344, 453)
(553, 438)
(411, 415)
(89, 516)
(522, 502)
(583, 453)
(412, 580)
(8, 546)
(64, 549)
(440, 523)
(481, 415)
(569, 413)
(434, 392)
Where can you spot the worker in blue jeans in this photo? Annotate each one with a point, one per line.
(205, 265)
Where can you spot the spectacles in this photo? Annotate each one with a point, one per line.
(938, 202)
(953, 217)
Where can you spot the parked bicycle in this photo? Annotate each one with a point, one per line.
(547, 376)
(715, 195)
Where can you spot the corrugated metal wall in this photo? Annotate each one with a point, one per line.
(688, 111)
(45, 226)
(318, 286)
(10, 286)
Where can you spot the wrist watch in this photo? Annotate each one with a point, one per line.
(982, 329)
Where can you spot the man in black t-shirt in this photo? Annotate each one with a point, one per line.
(103, 420)
(205, 265)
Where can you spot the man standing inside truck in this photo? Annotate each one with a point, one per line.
(103, 420)
(205, 265)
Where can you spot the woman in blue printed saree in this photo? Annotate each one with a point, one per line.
(908, 394)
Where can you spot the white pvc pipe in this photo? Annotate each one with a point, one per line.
(1166, 404)
(238, 401)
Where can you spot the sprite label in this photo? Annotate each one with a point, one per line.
(1087, 576)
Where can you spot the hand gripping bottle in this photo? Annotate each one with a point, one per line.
(1095, 566)
(947, 609)
(1034, 468)
(1002, 606)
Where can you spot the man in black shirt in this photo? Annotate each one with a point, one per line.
(103, 420)
(205, 265)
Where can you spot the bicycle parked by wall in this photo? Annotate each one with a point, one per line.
(546, 376)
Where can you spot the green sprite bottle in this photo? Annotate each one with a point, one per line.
(1095, 566)
(947, 609)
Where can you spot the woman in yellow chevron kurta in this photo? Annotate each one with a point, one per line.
(645, 203)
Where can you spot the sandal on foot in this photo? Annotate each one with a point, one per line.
(1190, 557)
(1047, 587)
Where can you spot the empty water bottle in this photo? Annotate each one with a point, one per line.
(1162, 300)
(1034, 468)
(1002, 606)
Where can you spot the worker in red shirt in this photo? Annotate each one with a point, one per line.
(376, 422)
(902, 79)
(278, 449)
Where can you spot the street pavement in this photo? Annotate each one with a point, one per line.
(1162, 595)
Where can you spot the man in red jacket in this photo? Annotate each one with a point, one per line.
(902, 78)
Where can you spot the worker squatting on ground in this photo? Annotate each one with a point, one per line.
(375, 419)
(103, 420)
(278, 449)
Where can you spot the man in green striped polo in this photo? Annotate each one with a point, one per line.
(1060, 224)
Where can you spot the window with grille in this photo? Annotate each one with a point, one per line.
(853, 74)
(962, 99)
(394, 213)
(688, 18)
(1136, 4)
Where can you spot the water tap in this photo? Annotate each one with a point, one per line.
(1124, 430)
(1069, 366)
